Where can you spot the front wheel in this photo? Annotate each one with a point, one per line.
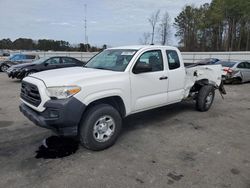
(4, 68)
(100, 127)
(205, 98)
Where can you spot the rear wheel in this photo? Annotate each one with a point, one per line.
(100, 127)
(205, 98)
(237, 80)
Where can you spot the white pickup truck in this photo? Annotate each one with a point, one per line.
(89, 102)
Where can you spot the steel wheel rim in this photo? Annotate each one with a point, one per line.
(209, 99)
(104, 128)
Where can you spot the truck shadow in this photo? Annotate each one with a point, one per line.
(58, 147)
(152, 117)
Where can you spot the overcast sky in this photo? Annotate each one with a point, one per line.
(112, 22)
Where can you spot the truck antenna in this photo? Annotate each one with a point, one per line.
(85, 26)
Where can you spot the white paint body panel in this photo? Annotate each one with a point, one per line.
(139, 92)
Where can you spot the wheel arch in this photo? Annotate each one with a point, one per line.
(200, 83)
(115, 101)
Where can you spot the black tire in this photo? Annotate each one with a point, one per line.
(90, 120)
(4, 68)
(237, 80)
(205, 98)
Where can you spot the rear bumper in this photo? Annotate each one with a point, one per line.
(61, 116)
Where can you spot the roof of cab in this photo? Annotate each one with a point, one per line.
(139, 47)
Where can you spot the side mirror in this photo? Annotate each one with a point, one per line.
(141, 68)
(46, 64)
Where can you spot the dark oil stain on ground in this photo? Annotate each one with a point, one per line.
(235, 171)
(196, 127)
(174, 176)
(187, 156)
(57, 147)
(139, 180)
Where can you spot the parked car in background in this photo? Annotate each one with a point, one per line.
(17, 59)
(43, 64)
(208, 61)
(4, 53)
(235, 72)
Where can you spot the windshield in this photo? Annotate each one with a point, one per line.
(115, 60)
(16, 57)
(226, 63)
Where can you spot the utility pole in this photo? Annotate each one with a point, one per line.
(85, 26)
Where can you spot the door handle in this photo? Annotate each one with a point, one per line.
(163, 78)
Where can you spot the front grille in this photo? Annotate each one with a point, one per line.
(30, 93)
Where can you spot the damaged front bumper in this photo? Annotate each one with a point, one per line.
(62, 115)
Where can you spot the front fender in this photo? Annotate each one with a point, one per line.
(87, 99)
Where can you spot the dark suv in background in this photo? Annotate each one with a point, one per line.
(43, 64)
(17, 59)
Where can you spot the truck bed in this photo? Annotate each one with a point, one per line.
(212, 73)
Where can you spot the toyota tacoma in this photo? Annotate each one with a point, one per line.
(89, 102)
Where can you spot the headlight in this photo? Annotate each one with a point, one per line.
(62, 92)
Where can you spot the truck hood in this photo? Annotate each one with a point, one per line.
(69, 76)
(22, 65)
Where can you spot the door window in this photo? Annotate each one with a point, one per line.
(53, 61)
(173, 59)
(67, 60)
(241, 65)
(247, 65)
(152, 58)
(29, 57)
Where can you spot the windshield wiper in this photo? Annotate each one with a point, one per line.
(101, 68)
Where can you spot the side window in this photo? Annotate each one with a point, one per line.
(66, 60)
(29, 57)
(173, 59)
(247, 65)
(53, 61)
(241, 65)
(21, 57)
(152, 58)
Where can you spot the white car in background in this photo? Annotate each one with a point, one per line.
(236, 72)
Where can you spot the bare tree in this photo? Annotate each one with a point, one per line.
(145, 39)
(164, 29)
(153, 19)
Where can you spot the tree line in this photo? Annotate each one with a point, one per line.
(46, 44)
(161, 31)
(222, 25)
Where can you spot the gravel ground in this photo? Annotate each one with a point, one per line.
(174, 146)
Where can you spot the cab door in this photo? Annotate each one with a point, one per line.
(177, 76)
(248, 70)
(148, 85)
(244, 68)
(52, 63)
